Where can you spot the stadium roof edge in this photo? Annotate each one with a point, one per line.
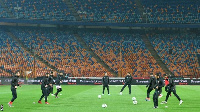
(81, 23)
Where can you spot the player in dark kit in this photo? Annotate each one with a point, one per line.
(57, 83)
(105, 82)
(51, 82)
(44, 88)
(14, 85)
(171, 88)
(128, 81)
(158, 89)
(166, 82)
(150, 85)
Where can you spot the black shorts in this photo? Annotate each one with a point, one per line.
(45, 91)
(105, 85)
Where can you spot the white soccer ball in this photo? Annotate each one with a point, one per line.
(99, 96)
(104, 105)
(134, 98)
(135, 102)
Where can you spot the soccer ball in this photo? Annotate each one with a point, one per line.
(134, 98)
(104, 105)
(99, 96)
(135, 102)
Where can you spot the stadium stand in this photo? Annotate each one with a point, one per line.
(123, 52)
(12, 57)
(178, 52)
(107, 11)
(3, 13)
(61, 49)
(170, 11)
(112, 11)
(40, 10)
(155, 11)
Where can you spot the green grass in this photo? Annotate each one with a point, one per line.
(83, 98)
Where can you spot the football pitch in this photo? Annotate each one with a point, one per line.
(84, 98)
